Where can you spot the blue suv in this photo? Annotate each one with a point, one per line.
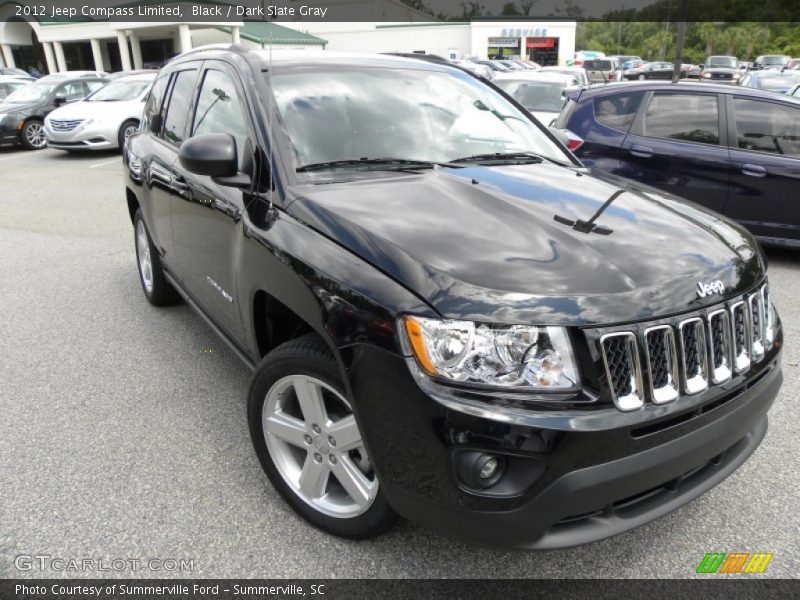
(734, 150)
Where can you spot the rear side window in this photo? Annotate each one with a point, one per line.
(767, 127)
(179, 104)
(684, 117)
(598, 65)
(71, 91)
(617, 111)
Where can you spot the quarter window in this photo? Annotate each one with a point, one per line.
(684, 117)
(179, 103)
(617, 111)
(767, 127)
(220, 110)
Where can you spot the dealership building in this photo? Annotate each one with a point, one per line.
(49, 45)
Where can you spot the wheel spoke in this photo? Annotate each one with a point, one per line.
(309, 395)
(345, 432)
(353, 481)
(286, 428)
(313, 477)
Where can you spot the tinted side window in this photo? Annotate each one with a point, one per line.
(617, 111)
(179, 104)
(220, 110)
(154, 101)
(767, 127)
(685, 117)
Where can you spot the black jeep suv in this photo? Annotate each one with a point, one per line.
(448, 317)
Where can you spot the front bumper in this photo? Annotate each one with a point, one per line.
(81, 138)
(591, 484)
(9, 130)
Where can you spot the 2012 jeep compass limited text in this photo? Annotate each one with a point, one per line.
(447, 316)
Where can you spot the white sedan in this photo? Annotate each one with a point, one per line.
(102, 120)
(543, 94)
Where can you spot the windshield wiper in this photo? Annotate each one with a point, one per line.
(394, 163)
(528, 157)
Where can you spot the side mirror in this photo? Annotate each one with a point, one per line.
(214, 155)
(60, 101)
(156, 123)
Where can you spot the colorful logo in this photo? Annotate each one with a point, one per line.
(735, 562)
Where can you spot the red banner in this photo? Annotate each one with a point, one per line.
(541, 42)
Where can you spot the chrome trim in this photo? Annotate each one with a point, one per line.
(694, 383)
(723, 372)
(757, 345)
(671, 391)
(634, 399)
(741, 360)
(769, 326)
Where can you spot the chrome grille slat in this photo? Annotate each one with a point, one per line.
(694, 357)
(62, 125)
(719, 337)
(742, 344)
(623, 369)
(756, 326)
(662, 363)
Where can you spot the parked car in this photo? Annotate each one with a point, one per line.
(653, 70)
(495, 65)
(674, 137)
(600, 70)
(462, 325)
(721, 69)
(771, 61)
(102, 120)
(577, 72)
(792, 65)
(75, 75)
(23, 112)
(582, 56)
(692, 71)
(543, 94)
(771, 80)
(478, 69)
(625, 58)
(119, 74)
(15, 72)
(10, 84)
(513, 65)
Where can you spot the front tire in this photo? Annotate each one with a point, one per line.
(308, 442)
(125, 131)
(155, 286)
(641, 77)
(32, 135)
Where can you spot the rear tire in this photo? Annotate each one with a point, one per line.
(641, 77)
(32, 135)
(308, 442)
(125, 131)
(155, 286)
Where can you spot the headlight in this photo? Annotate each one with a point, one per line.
(706, 75)
(87, 122)
(736, 75)
(505, 356)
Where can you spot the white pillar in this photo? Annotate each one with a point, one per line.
(52, 66)
(124, 55)
(136, 48)
(60, 58)
(97, 54)
(186, 38)
(235, 37)
(8, 56)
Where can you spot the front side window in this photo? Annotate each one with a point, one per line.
(767, 127)
(618, 111)
(409, 114)
(220, 110)
(684, 117)
(71, 91)
(154, 101)
(179, 106)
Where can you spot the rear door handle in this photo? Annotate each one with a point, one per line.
(754, 170)
(642, 151)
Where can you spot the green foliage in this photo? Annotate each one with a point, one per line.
(656, 40)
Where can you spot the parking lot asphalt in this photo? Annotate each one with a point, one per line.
(124, 433)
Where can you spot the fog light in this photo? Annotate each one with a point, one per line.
(489, 468)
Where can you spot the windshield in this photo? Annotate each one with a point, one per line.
(406, 114)
(775, 60)
(35, 92)
(546, 96)
(722, 61)
(120, 91)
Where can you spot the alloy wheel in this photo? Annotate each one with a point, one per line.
(145, 260)
(316, 446)
(34, 134)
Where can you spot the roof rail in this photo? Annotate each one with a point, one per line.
(238, 48)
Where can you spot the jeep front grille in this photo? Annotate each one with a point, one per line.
(687, 356)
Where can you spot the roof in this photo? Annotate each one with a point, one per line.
(262, 32)
(685, 86)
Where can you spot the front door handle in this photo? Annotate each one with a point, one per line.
(642, 151)
(179, 184)
(754, 170)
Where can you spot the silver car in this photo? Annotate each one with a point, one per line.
(103, 120)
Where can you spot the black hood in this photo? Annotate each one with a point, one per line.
(8, 108)
(499, 244)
